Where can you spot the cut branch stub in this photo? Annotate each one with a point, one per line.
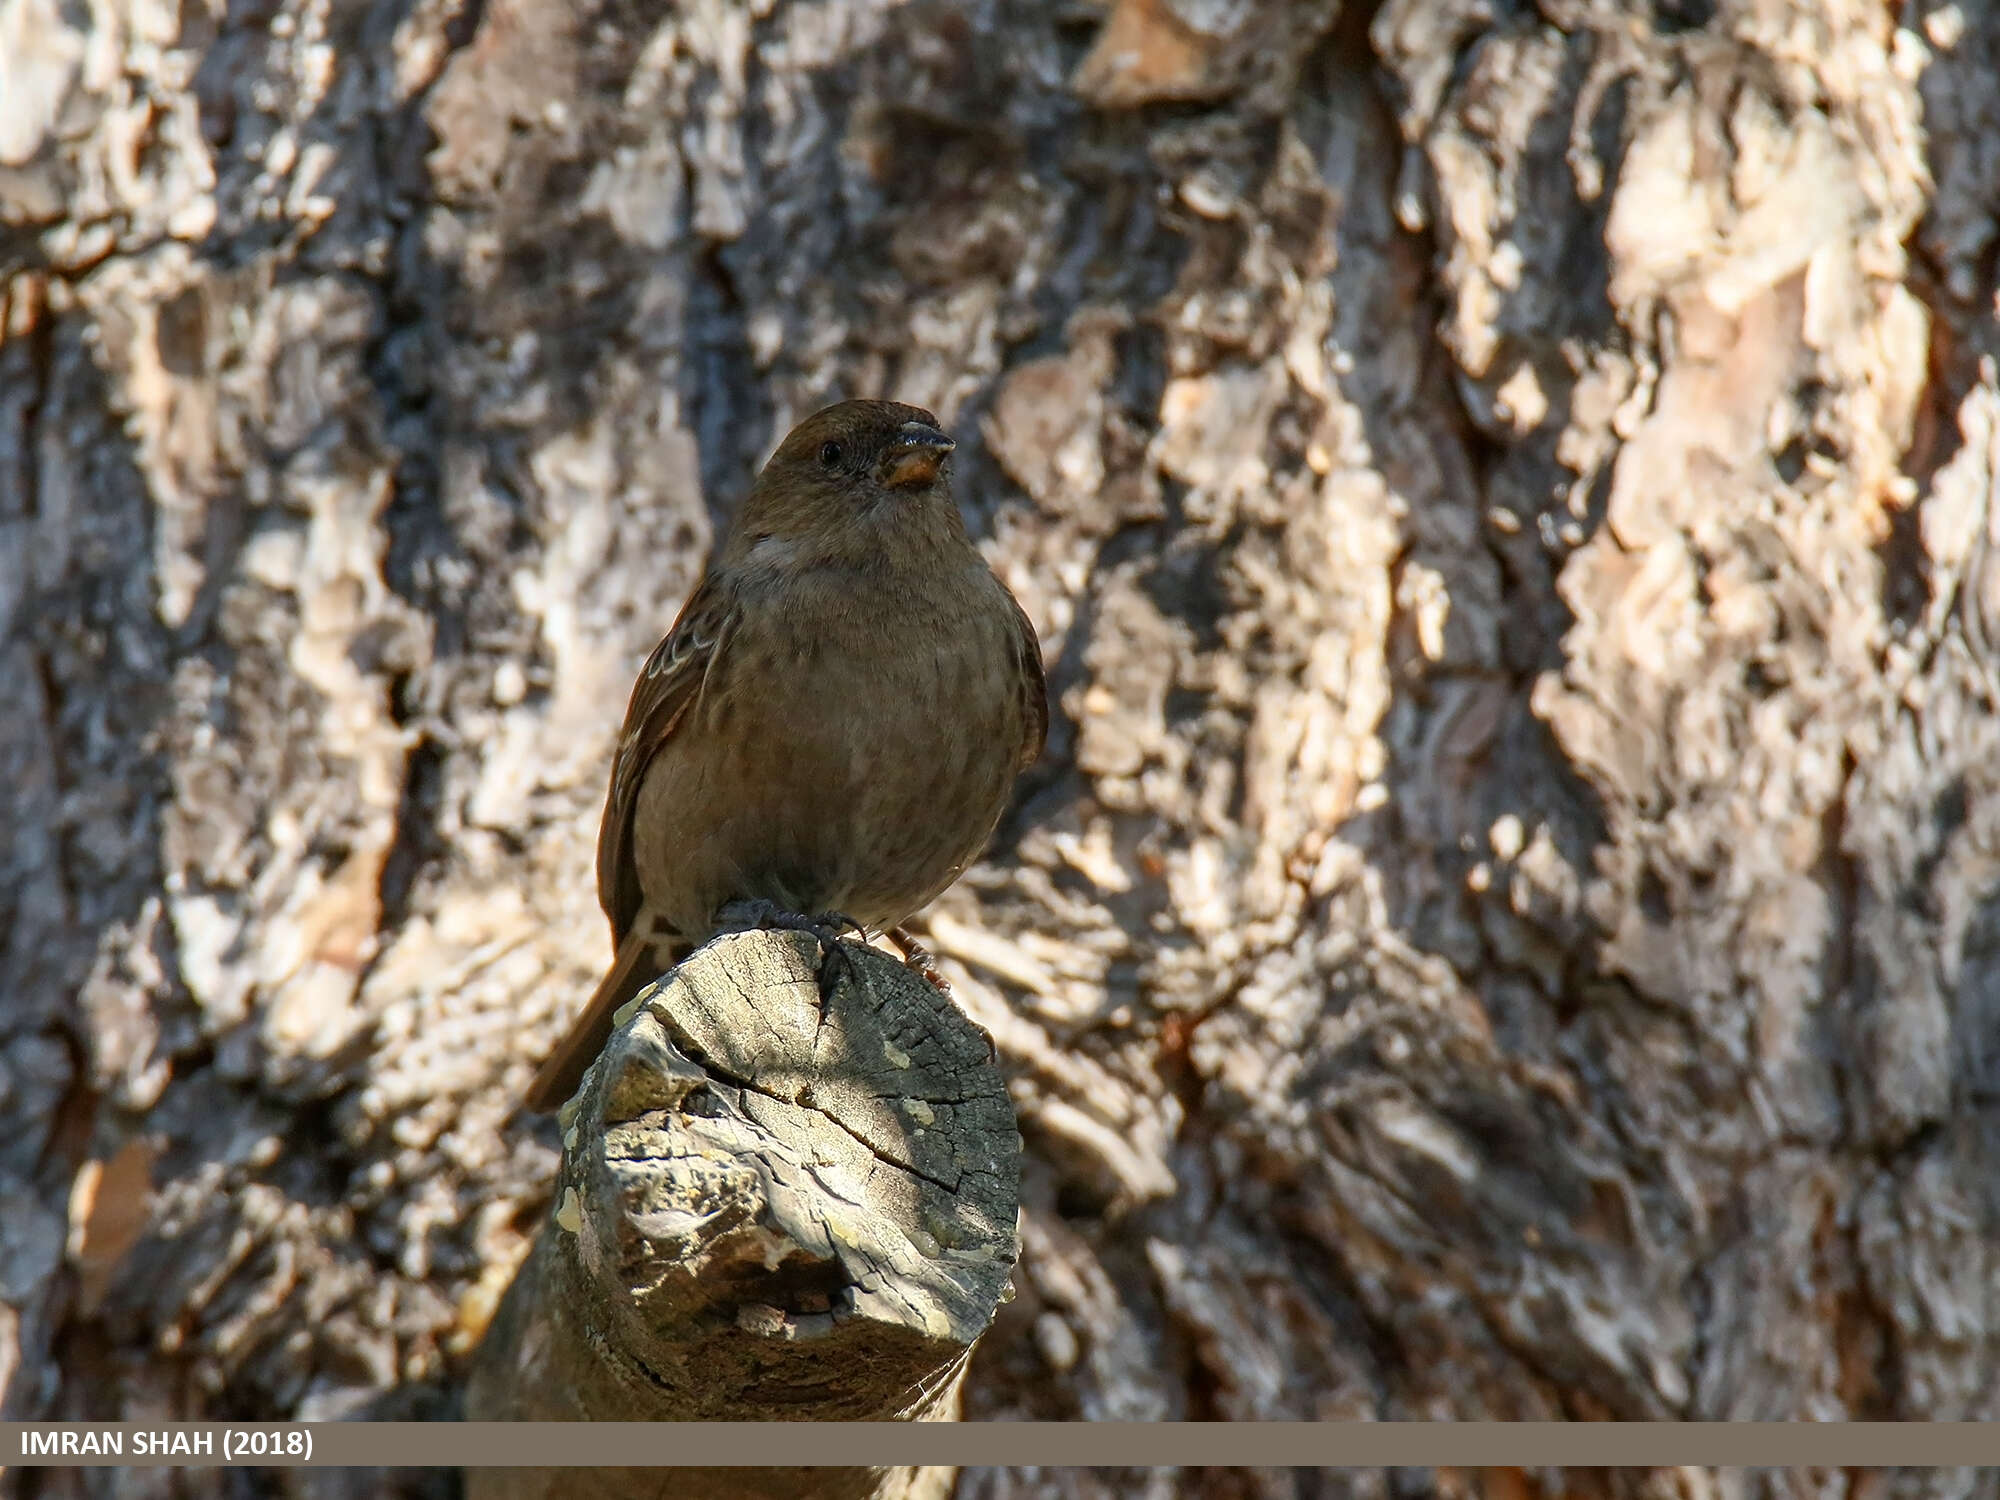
(765, 1211)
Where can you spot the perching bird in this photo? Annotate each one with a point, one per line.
(832, 726)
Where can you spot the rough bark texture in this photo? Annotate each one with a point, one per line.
(768, 1209)
(1509, 921)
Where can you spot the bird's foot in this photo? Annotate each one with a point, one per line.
(919, 960)
(825, 928)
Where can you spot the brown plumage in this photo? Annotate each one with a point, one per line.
(833, 724)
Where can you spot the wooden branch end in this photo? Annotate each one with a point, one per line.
(765, 1211)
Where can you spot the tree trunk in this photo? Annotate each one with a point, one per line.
(1508, 924)
(767, 1210)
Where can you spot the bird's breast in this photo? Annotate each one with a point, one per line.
(852, 750)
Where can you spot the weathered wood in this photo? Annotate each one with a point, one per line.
(766, 1211)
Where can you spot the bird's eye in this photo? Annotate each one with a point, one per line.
(829, 455)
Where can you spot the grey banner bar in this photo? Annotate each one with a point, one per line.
(979, 1444)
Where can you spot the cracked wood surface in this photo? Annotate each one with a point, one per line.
(765, 1211)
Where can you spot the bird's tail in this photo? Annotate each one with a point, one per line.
(642, 957)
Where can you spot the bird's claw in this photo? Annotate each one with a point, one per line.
(825, 928)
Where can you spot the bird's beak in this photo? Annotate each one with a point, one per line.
(915, 457)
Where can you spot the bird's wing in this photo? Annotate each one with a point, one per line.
(669, 686)
(1034, 686)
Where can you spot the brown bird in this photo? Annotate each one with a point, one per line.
(830, 731)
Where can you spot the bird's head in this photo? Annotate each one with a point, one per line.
(878, 463)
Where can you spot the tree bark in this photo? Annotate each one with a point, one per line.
(766, 1211)
(1508, 924)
